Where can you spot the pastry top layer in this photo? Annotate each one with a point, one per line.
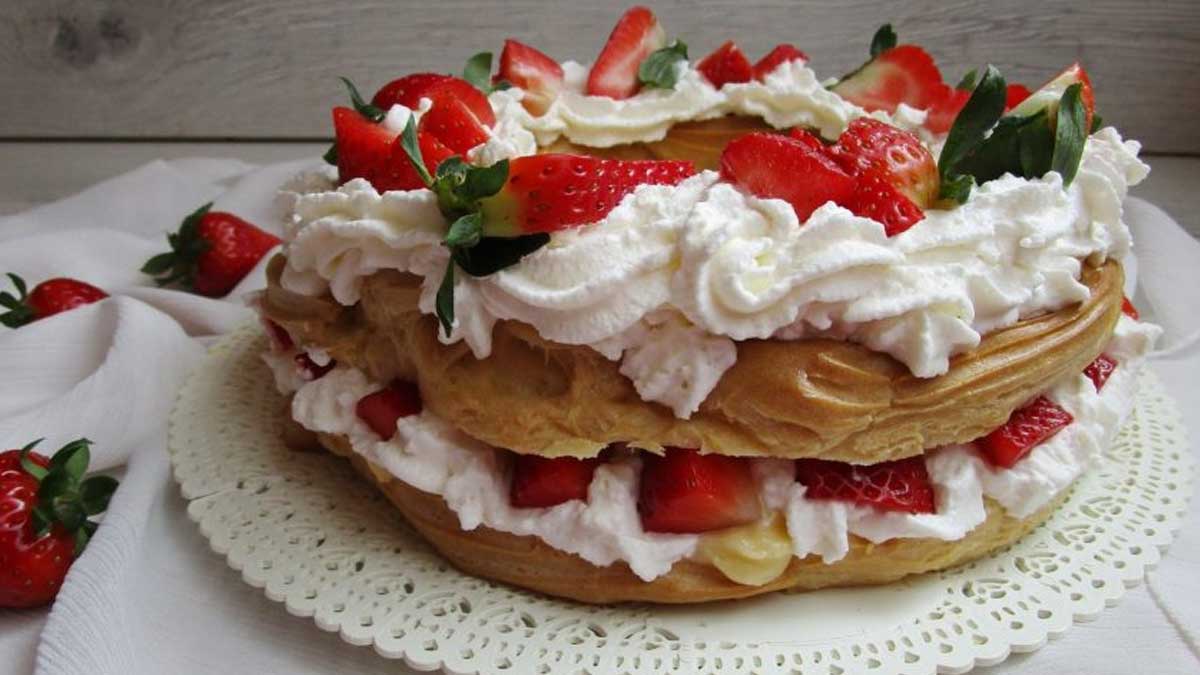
(786, 398)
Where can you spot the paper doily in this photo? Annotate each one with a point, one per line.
(304, 528)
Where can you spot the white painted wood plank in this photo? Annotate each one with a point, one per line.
(34, 173)
(267, 68)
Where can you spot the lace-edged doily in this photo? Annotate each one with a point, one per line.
(306, 530)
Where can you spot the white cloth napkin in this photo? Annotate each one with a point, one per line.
(148, 596)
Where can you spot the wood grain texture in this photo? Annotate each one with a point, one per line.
(241, 69)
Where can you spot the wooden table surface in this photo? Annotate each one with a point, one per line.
(32, 173)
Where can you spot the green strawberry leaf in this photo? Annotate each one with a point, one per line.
(32, 468)
(1097, 124)
(159, 264)
(478, 71)
(466, 231)
(412, 148)
(19, 284)
(331, 155)
(883, 40)
(958, 188)
(480, 182)
(95, 493)
(82, 537)
(365, 109)
(1069, 134)
(493, 254)
(73, 458)
(41, 520)
(444, 304)
(968, 81)
(68, 511)
(658, 69)
(980, 114)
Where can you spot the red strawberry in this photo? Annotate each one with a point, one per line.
(809, 139)
(44, 506)
(211, 252)
(309, 368)
(1014, 95)
(48, 298)
(406, 91)
(1128, 308)
(899, 485)
(371, 151)
(870, 146)
(903, 74)
(877, 199)
(1026, 427)
(551, 192)
(946, 106)
(380, 410)
(615, 73)
(539, 75)
(451, 122)
(1100, 370)
(775, 58)
(684, 491)
(1047, 96)
(726, 64)
(770, 165)
(543, 481)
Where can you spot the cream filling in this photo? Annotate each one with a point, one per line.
(433, 456)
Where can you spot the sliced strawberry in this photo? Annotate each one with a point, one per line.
(543, 481)
(726, 64)
(900, 485)
(1128, 308)
(809, 139)
(777, 57)
(380, 410)
(870, 146)
(1100, 370)
(615, 73)
(372, 151)
(903, 74)
(877, 199)
(539, 75)
(1048, 95)
(406, 91)
(1014, 95)
(1026, 427)
(770, 165)
(940, 116)
(685, 491)
(452, 123)
(309, 368)
(552, 192)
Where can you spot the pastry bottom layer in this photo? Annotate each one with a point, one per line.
(528, 562)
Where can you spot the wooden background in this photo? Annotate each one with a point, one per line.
(266, 69)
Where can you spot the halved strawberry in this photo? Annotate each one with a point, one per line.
(900, 485)
(776, 57)
(451, 122)
(615, 73)
(726, 64)
(1128, 308)
(372, 151)
(771, 165)
(685, 491)
(876, 198)
(946, 106)
(544, 481)
(539, 75)
(406, 91)
(1100, 370)
(870, 146)
(552, 192)
(1026, 428)
(380, 410)
(309, 368)
(1014, 95)
(809, 139)
(1047, 96)
(902, 74)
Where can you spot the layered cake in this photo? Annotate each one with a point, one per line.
(673, 330)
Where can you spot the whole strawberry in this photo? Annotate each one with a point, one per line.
(211, 252)
(44, 526)
(49, 297)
